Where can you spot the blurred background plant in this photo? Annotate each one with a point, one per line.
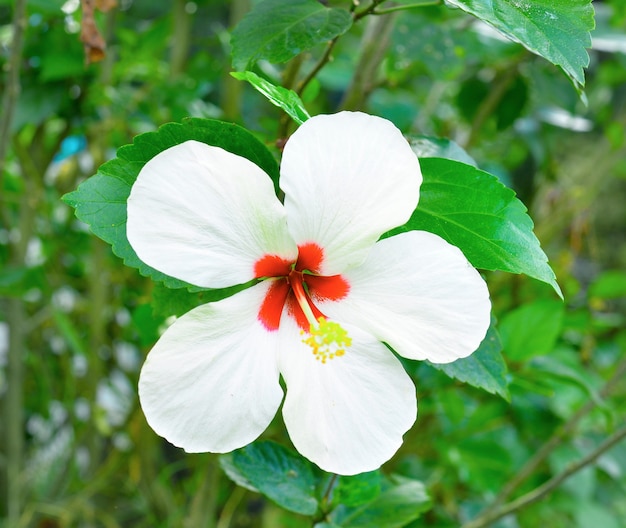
(75, 324)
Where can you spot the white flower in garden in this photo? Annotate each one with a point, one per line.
(332, 293)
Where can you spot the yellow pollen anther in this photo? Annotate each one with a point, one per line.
(327, 339)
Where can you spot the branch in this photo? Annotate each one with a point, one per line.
(12, 88)
(546, 488)
(356, 16)
(373, 47)
(318, 66)
(533, 463)
(406, 7)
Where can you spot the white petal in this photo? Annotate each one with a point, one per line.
(419, 294)
(347, 178)
(211, 381)
(205, 216)
(349, 414)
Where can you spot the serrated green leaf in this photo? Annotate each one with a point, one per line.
(288, 100)
(357, 489)
(558, 30)
(435, 147)
(100, 201)
(278, 31)
(484, 369)
(398, 505)
(532, 329)
(275, 471)
(472, 210)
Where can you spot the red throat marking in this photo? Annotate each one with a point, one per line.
(292, 280)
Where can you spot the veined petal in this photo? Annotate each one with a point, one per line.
(419, 294)
(211, 381)
(347, 415)
(348, 178)
(205, 216)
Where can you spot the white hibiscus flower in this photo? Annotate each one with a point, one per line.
(331, 293)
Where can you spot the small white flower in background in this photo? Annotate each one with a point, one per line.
(332, 293)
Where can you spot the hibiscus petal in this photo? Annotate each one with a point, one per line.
(347, 415)
(419, 294)
(205, 216)
(211, 382)
(348, 178)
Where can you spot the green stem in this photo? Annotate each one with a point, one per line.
(231, 88)
(369, 10)
(180, 37)
(230, 506)
(549, 486)
(498, 88)
(406, 7)
(373, 47)
(318, 66)
(555, 440)
(11, 92)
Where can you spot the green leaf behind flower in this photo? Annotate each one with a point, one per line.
(401, 503)
(484, 369)
(557, 30)
(288, 100)
(472, 210)
(100, 201)
(435, 147)
(277, 31)
(275, 471)
(357, 489)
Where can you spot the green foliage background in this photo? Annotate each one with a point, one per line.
(75, 323)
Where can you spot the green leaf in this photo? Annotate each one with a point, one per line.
(277, 31)
(609, 285)
(357, 489)
(100, 201)
(532, 329)
(275, 471)
(558, 30)
(395, 507)
(573, 374)
(484, 369)
(434, 147)
(288, 100)
(472, 210)
(167, 302)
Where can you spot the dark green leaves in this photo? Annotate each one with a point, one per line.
(277, 31)
(359, 501)
(558, 30)
(276, 472)
(395, 507)
(357, 489)
(288, 100)
(472, 210)
(101, 200)
(531, 330)
(484, 369)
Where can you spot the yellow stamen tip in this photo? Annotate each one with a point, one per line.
(327, 339)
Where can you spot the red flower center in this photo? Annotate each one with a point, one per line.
(296, 283)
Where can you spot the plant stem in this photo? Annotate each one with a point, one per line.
(318, 66)
(373, 47)
(369, 10)
(568, 427)
(16, 317)
(499, 87)
(11, 91)
(180, 37)
(546, 488)
(405, 7)
(231, 88)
